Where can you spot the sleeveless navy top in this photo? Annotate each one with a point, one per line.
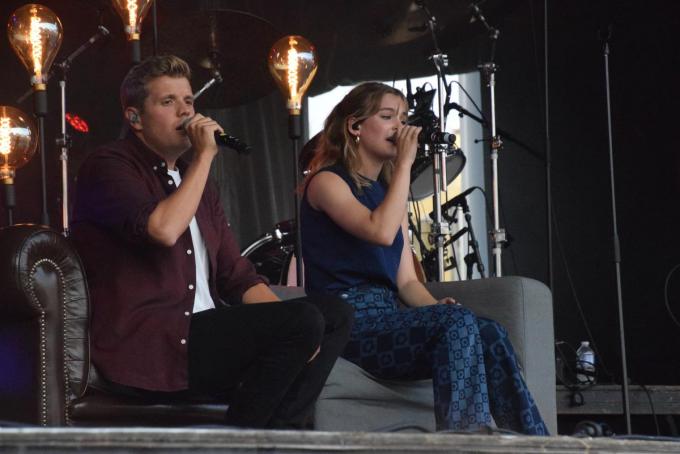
(335, 260)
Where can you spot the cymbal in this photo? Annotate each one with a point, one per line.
(394, 22)
(236, 43)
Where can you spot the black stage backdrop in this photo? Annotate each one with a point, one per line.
(361, 40)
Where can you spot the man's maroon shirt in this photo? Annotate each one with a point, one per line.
(140, 290)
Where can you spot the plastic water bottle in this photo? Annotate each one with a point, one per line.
(585, 366)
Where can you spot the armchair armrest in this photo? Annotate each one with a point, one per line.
(524, 307)
(43, 326)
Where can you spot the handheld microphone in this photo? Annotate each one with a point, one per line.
(436, 137)
(224, 139)
(232, 142)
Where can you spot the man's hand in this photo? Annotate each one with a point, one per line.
(201, 131)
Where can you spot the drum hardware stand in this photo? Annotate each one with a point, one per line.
(216, 78)
(440, 228)
(417, 234)
(214, 68)
(426, 254)
(489, 69)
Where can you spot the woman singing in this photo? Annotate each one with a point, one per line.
(354, 225)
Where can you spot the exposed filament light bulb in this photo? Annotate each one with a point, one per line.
(18, 141)
(132, 12)
(292, 67)
(293, 64)
(35, 34)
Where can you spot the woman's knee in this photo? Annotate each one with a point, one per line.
(491, 329)
(453, 315)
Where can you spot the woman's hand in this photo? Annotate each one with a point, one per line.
(448, 300)
(407, 145)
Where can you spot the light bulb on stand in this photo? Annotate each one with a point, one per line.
(293, 64)
(35, 34)
(18, 142)
(132, 12)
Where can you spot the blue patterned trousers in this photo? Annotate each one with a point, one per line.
(470, 360)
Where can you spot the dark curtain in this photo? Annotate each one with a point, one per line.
(256, 189)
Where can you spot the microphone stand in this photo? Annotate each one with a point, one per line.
(63, 140)
(216, 78)
(462, 111)
(475, 256)
(489, 71)
(617, 247)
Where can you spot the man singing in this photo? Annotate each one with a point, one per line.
(173, 302)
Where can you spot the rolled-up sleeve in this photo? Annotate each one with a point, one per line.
(113, 194)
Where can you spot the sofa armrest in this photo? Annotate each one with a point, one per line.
(524, 307)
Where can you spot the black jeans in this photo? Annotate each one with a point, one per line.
(258, 354)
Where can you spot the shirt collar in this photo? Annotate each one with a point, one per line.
(152, 159)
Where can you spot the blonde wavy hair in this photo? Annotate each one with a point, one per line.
(337, 145)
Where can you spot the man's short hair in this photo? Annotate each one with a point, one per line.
(133, 89)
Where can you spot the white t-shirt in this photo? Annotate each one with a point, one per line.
(202, 299)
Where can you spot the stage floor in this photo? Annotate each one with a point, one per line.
(149, 440)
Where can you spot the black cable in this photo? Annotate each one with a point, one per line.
(665, 294)
(577, 385)
(651, 405)
(567, 363)
(504, 221)
(575, 294)
(481, 114)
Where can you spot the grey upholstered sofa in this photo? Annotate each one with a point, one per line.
(353, 400)
(46, 377)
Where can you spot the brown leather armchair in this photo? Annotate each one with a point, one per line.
(46, 377)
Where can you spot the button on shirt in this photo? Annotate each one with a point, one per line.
(139, 289)
(202, 299)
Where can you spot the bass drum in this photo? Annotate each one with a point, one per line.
(272, 252)
(273, 255)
